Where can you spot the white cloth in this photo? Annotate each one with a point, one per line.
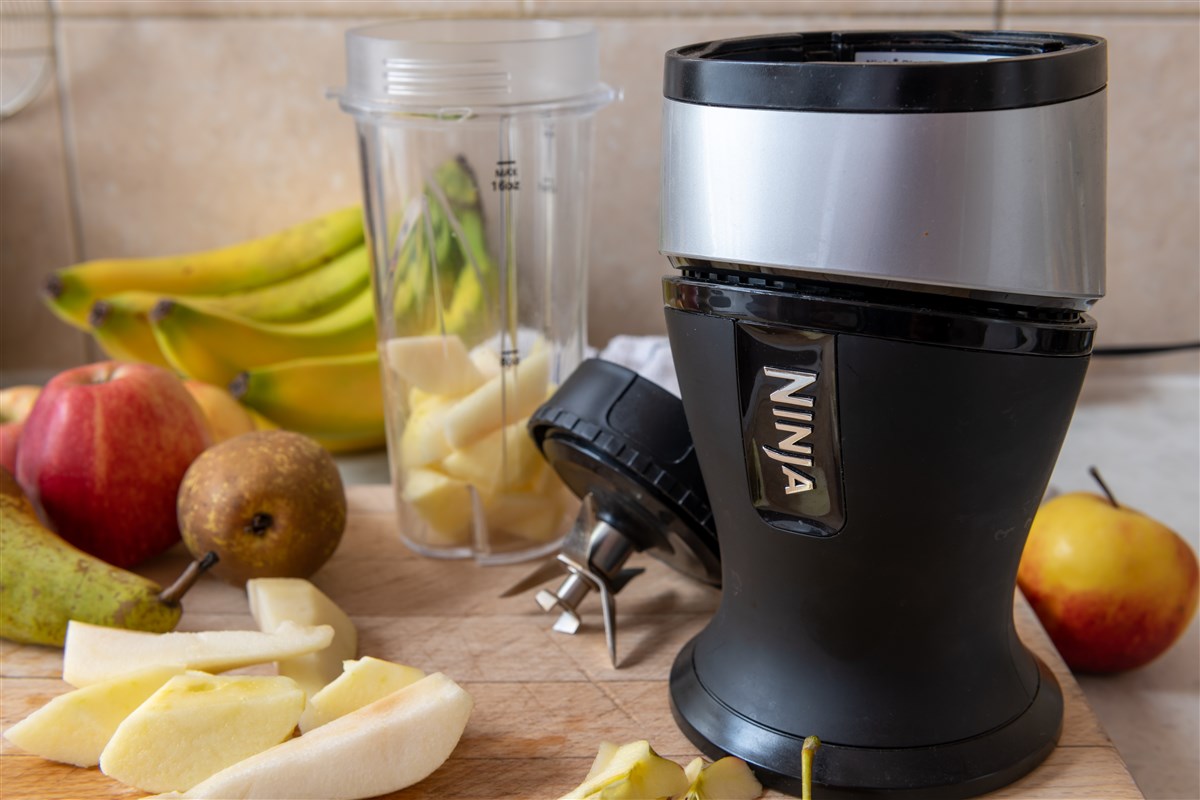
(649, 356)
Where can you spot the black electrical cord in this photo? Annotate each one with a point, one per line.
(1144, 349)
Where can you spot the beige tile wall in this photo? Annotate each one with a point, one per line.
(183, 124)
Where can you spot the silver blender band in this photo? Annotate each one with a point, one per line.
(1008, 202)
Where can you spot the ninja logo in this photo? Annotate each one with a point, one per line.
(793, 415)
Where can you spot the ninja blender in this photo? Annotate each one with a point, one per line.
(884, 244)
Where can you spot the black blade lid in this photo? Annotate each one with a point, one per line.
(624, 440)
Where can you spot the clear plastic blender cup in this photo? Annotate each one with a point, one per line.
(476, 148)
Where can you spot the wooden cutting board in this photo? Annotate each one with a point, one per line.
(543, 700)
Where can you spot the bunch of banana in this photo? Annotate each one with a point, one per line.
(288, 321)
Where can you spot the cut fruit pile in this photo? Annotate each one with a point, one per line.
(466, 430)
(171, 726)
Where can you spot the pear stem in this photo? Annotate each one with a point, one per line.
(807, 751)
(1095, 473)
(175, 592)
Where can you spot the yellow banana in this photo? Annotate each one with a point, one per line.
(336, 400)
(306, 296)
(214, 347)
(70, 292)
(120, 325)
(123, 332)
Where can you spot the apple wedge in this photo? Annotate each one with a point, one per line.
(443, 502)
(74, 727)
(728, 778)
(93, 653)
(361, 683)
(515, 393)
(274, 601)
(198, 724)
(631, 772)
(501, 460)
(434, 364)
(380, 748)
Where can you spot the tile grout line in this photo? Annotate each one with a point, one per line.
(70, 162)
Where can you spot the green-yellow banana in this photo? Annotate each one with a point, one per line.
(71, 292)
(214, 347)
(337, 400)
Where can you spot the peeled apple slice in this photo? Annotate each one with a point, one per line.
(443, 502)
(434, 364)
(380, 748)
(199, 724)
(75, 727)
(424, 439)
(93, 653)
(363, 682)
(513, 394)
(529, 515)
(500, 460)
(274, 601)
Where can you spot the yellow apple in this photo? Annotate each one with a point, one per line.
(1112, 587)
(225, 415)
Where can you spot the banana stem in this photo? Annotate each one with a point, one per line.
(807, 751)
(175, 592)
(1095, 473)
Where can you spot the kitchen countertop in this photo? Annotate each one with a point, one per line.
(543, 700)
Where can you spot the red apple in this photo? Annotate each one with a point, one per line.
(1112, 587)
(15, 405)
(103, 453)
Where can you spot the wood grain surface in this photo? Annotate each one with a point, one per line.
(543, 700)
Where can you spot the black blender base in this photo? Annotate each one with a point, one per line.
(960, 769)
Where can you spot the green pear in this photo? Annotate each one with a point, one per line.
(270, 504)
(45, 582)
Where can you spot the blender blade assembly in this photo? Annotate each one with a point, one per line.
(620, 443)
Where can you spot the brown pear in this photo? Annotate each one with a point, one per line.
(270, 504)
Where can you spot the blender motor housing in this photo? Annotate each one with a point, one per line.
(885, 243)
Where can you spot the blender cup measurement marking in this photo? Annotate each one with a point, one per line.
(506, 178)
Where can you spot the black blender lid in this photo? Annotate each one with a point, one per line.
(888, 71)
